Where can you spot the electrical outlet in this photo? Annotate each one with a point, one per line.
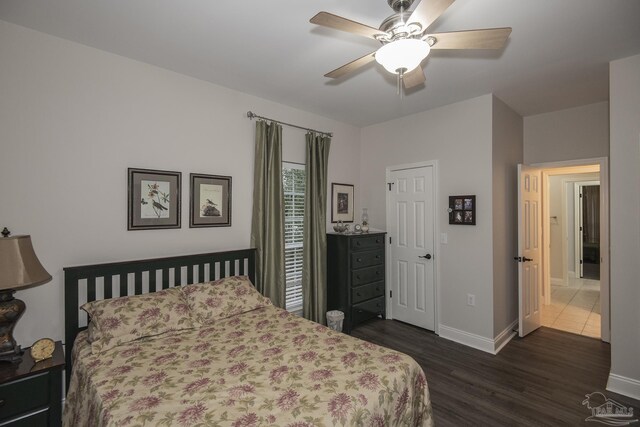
(471, 300)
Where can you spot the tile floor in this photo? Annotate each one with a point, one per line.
(574, 308)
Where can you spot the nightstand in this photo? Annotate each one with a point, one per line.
(31, 393)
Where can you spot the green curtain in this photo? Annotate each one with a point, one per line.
(267, 224)
(314, 263)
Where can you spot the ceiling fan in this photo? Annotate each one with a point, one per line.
(405, 41)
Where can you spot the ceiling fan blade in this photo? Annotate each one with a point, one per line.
(493, 38)
(428, 11)
(336, 22)
(351, 66)
(413, 78)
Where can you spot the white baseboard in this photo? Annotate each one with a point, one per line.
(623, 385)
(504, 337)
(485, 344)
(558, 282)
(571, 274)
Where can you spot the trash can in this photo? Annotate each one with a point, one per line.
(334, 320)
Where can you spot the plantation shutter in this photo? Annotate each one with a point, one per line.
(293, 180)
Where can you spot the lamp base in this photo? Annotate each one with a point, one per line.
(11, 310)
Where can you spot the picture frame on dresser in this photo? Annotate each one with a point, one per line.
(209, 201)
(342, 202)
(153, 200)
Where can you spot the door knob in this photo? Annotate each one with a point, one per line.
(427, 256)
(525, 259)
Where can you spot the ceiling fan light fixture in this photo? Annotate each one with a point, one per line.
(404, 54)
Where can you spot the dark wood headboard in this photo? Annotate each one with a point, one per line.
(96, 282)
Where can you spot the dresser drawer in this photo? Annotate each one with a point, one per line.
(367, 275)
(367, 242)
(367, 310)
(24, 395)
(366, 259)
(365, 292)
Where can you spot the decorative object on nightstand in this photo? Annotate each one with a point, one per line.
(365, 220)
(356, 276)
(42, 349)
(31, 391)
(19, 269)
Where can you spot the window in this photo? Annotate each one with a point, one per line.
(293, 183)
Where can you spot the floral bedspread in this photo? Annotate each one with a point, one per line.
(265, 367)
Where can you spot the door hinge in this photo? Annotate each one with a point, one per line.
(581, 195)
(389, 239)
(390, 294)
(580, 262)
(390, 184)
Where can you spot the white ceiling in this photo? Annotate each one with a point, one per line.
(557, 56)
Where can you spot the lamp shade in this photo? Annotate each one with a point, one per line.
(404, 54)
(19, 265)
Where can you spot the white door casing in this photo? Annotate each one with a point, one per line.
(411, 228)
(529, 255)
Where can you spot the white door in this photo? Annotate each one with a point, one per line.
(411, 229)
(529, 256)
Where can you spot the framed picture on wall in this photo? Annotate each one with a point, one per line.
(462, 210)
(153, 199)
(210, 201)
(342, 202)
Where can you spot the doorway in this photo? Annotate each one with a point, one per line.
(587, 229)
(574, 230)
(570, 301)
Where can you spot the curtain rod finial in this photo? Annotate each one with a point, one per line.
(250, 115)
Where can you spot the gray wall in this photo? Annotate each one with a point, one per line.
(507, 153)
(625, 222)
(74, 118)
(574, 133)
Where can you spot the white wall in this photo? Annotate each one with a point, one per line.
(574, 133)
(458, 136)
(73, 119)
(507, 153)
(625, 225)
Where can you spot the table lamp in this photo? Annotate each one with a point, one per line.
(19, 269)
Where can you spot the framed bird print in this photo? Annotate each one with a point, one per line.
(153, 199)
(210, 201)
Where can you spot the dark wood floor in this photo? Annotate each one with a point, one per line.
(541, 379)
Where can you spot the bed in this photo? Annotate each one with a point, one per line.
(264, 366)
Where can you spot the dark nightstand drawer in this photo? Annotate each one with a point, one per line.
(36, 419)
(365, 292)
(23, 395)
(366, 259)
(367, 275)
(368, 309)
(367, 242)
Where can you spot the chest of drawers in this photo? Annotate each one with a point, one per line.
(356, 276)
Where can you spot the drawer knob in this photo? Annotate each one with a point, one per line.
(377, 240)
(377, 273)
(358, 277)
(357, 243)
(378, 305)
(377, 256)
(357, 294)
(359, 259)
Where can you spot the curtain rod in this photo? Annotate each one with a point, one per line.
(252, 116)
